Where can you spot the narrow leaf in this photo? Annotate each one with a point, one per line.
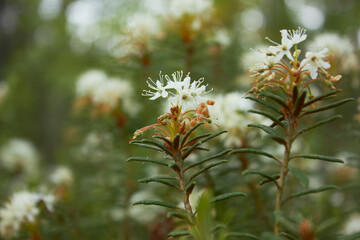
(157, 203)
(147, 160)
(164, 139)
(208, 159)
(190, 149)
(264, 103)
(189, 132)
(248, 171)
(300, 175)
(176, 141)
(159, 145)
(145, 146)
(318, 98)
(159, 180)
(197, 138)
(288, 236)
(178, 234)
(243, 235)
(177, 215)
(190, 188)
(212, 136)
(211, 165)
(319, 157)
(265, 114)
(274, 177)
(269, 130)
(227, 196)
(335, 104)
(279, 100)
(311, 191)
(254, 151)
(295, 94)
(319, 123)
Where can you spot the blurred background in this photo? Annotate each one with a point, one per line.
(71, 78)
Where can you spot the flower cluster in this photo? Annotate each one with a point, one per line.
(104, 93)
(180, 92)
(272, 70)
(22, 209)
(231, 113)
(62, 175)
(19, 155)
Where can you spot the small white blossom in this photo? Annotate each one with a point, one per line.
(296, 36)
(89, 82)
(352, 224)
(313, 61)
(142, 25)
(264, 60)
(22, 208)
(181, 92)
(284, 48)
(19, 155)
(179, 8)
(62, 176)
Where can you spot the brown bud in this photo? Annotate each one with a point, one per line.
(305, 230)
(210, 102)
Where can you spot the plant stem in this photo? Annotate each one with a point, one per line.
(284, 171)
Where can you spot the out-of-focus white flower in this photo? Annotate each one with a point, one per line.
(89, 82)
(182, 92)
(179, 8)
(352, 224)
(4, 90)
(22, 208)
(341, 50)
(62, 176)
(96, 146)
(19, 155)
(314, 60)
(112, 91)
(231, 111)
(265, 61)
(222, 37)
(142, 25)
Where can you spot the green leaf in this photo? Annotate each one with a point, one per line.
(160, 179)
(279, 100)
(299, 174)
(159, 145)
(208, 159)
(273, 134)
(255, 172)
(164, 139)
(264, 103)
(147, 160)
(190, 188)
(189, 132)
(178, 234)
(227, 196)
(213, 136)
(243, 235)
(145, 145)
(211, 165)
(265, 114)
(288, 236)
(254, 151)
(274, 177)
(177, 215)
(311, 191)
(194, 139)
(295, 94)
(190, 149)
(318, 98)
(157, 203)
(319, 123)
(319, 157)
(335, 104)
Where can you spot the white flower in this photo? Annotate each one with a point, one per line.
(179, 8)
(89, 82)
(62, 176)
(19, 154)
(313, 61)
(182, 92)
(264, 61)
(284, 48)
(296, 36)
(22, 208)
(231, 111)
(142, 25)
(111, 91)
(352, 224)
(96, 146)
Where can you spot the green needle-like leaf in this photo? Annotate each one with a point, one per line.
(254, 151)
(243, 235)
(227, 196)
(208, 159)
(319, 123)
(189, 132)
(264, 103)
(157, 203)
(147, 160)
(335, 104)
(273, 134)
(318, 98)
(178, 234)
(311, 191)
(211, 165)
(319, 157)
(265, 114)
(279, 100)
(145, 145)
(159, 179)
